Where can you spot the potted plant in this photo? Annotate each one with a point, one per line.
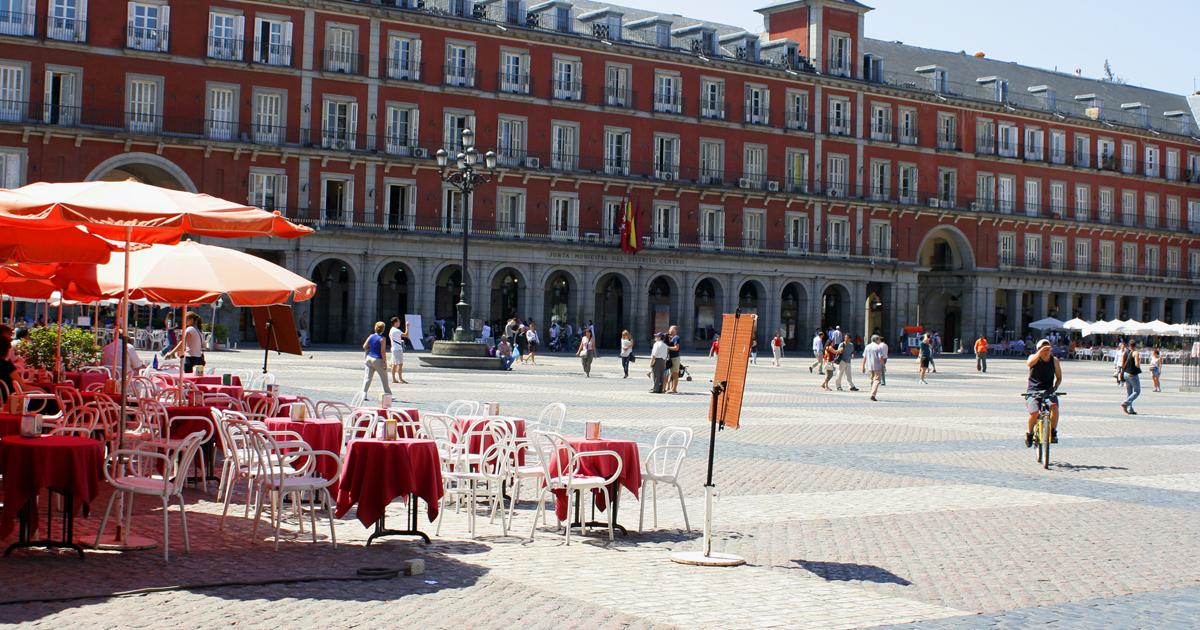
(78, 348)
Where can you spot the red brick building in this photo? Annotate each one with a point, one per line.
(794, 173)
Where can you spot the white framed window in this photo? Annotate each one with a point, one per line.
(268, 117)
(881, 122)
(149, 26)
(221, 120)
(514, 71)
(1033, 143)
(712, 227)
(454, 122)
(563, 21)
(1172, 172)
(18, 17)
(1151, 162)
(144, 104)
(510, 211)
(1173, 262)
(1129, 207)
(61, 100)
(401, 125)
(985, 192)
(754, 229)
(838, 236)
(1193, 217)
(1128, 157)
(1058, 146)
(567, 81)
(1152, 258)
(948, 187)
(1006, 190)
(337, 199)
(273, 41)
(712, 98)
(796, 232)
(881, 180)
(1105, 206)
(796, 173)
(614, 216)
(839, 116)
(1151, 210)
(712, 161)
(1007, 139)
(66, 21)
(510, 140)
(12, 168)
(616, 151)
(1172, 214)
(667, 96)
(1032, 197)
(906, 183)
(1129, 256)
(1194, 264)
(1006, 249)
(755, 164)
(985, 136)
(1083, 202)
(947, 131)
(1106, 252)
(14, 102)
(840, 55)
(758, 104)
(460, 64)
(1106, 156)
(1033, 251)
(399, 204)
(1193, 170)
(666, 156)
(881, 239)
(339, 129)
(1083, 153)
(616, 86)
(454, 211)
(268, 189)
(907, 125)
(564, 216)
(226, 33)
(564, 146)
(837, 169)
(797, 109)
(1058, 253)
(1083, 254)
(404, 57)
(666, 224)
(1058, 199)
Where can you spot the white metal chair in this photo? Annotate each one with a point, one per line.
(462, 408)
(437, 428)
(134, 472)
(552, 417)
(406, 427)
(552, 448)
(277, 481)
(168, 444)
(662, 465)
(362, 424)
(476, 476)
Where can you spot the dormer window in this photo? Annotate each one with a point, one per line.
(662, 34)
(839, 55)
(613, 22)
(936, 76)
(563, 20)
(514, 11)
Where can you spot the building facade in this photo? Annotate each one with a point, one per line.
(807, 174)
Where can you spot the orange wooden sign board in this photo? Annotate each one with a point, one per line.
(734, 360)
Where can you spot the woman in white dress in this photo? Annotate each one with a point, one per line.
(396, 336)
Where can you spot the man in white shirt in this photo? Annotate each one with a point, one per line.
(658, 362)
(110, 356)
(874, 360)
(818, 346)
(486, 333)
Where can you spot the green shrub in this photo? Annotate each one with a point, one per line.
(78, 348)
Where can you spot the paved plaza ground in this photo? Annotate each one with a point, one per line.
(923, 508)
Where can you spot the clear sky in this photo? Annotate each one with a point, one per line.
(1152, 43)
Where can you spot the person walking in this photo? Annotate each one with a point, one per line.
(714, 350)
(754, 350)
(1117, 363)
(659, 358)
(626, 351)
(587, 352)
(1156, 363)
(924, 358)
(777, 348)
(191, 347)
(845, 354)
(375, 346)
(874, 360)
(981, 350)
(818, 346)
(531, 343)
(934, 342)
(1131, 368)
(828, 364)
(835, 336)
(396, 336)
(673, 345)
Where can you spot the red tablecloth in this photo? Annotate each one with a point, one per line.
(322, 434)
(631, 468)
(480, 443)
(377, 471)
(60, 462)
(236, 391)
(184, 428)
(207, 379)
(83, 379)
(10, 424)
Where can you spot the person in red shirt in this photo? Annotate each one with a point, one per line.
(715, 349)
(777, 348)
(981, 350)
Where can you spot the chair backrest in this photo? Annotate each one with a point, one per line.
(68, 397)
(406, 427)
(358, 400)
(109, 414)
(218, 399)
(81, 417)
(462, 408)
(549, 447)
(184, 456)
(152, 416)
(71, 431)
(552, 417)
(437, 426)
(670, 447)
(333, 409)
(208, 423)
(261, 407)
(362, 425)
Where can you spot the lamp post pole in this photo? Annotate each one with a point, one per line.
(464, 176)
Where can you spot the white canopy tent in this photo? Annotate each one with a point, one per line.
(1075, 324)
(1047, 323)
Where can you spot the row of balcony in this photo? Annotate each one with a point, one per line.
(20, 24)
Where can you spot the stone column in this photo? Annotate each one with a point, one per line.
(772, 321)
(1016, 318)
(814, 308)
(1066, 305)
(1112, 307)
(1157, 308)
(687, 307)
(638, 306)
(1178, 310)
(535, 301)
(987, 323)
(587, 297)
(1089, 307)
(857, 312)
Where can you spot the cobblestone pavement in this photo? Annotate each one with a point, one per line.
(921, 509)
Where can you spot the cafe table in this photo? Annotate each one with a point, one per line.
(377, 471)
(10, 424)
(70, 466)
(630, 477)
(321, 434)
(480, 443)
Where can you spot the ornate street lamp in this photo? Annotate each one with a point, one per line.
(466, 174)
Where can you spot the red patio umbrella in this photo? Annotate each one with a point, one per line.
(63, 244)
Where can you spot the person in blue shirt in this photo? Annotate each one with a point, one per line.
(376, 348)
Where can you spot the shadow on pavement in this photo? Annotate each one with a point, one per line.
(851, 572)
(1067, 466)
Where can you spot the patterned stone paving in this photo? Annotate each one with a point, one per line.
(923, 508)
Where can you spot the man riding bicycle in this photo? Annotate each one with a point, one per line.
(1045, 375)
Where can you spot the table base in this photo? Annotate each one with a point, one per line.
(117, 542)
(68, 528)
(381, 529)
(614, 505)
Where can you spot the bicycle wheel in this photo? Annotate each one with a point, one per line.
(1037, 439)
(1046, 435)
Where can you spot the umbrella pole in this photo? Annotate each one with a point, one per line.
(58, 364)
(183, 313)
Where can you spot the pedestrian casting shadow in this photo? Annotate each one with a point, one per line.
(851, 572)
(1069, 467)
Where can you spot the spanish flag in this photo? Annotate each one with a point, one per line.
(630, 243)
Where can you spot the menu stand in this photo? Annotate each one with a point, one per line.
(381, 528)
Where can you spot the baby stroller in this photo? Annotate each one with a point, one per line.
(683, 372)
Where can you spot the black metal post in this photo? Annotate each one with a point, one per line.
(463, 331)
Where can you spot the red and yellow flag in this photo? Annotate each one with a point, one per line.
(630, 243)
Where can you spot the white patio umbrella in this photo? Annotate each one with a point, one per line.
(1133, 327)
(1047, 323)
(1075, 324)
(1100, 328)
(1162, 329)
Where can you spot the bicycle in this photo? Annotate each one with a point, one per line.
(1042, 431)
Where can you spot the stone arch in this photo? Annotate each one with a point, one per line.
(708, 299)
(946, 248)
(662, 302)
(754, 299)
(835, 306)
(144, 167)
(507, 286)
(561, 293)
(331, 316)
(447, 280)
(613, 307)
(394, 290)
(793, 310)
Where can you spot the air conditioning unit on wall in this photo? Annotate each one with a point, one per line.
(934, 202)
(418, 152)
